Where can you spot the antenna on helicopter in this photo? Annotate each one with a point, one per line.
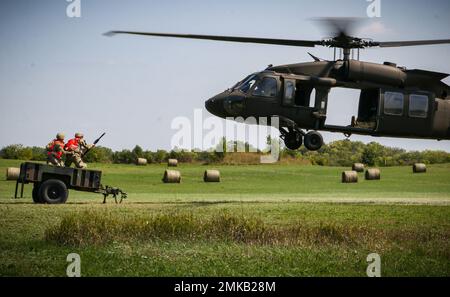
(314, 57)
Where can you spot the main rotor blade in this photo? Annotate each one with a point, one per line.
(288, 42)
(411, 43)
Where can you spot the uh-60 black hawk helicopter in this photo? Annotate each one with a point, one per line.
(394, 101)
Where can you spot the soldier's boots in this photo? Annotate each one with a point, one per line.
(76, 159)
(52, 160)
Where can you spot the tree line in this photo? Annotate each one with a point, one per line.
(337, 153)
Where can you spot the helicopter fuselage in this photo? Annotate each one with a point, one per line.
(393, 102)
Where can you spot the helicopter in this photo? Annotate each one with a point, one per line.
(393, 102)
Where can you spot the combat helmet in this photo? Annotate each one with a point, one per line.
(60, 136)
(79, 135)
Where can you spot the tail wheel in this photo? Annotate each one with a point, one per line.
(313, 140)
(53, 191)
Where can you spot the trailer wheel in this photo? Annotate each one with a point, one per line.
(35, 194)
(53, 191)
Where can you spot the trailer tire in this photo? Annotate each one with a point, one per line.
(35, 194)
(53, 191)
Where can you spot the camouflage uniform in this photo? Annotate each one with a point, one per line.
(365, 124)
(55, 151)
(74, 150)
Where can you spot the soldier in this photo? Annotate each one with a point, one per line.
(55, 150)
(75, 148)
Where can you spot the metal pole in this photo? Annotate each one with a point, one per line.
(17, 186)
(21, 190)
(346, 54)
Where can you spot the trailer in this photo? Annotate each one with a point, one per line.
(51, 184)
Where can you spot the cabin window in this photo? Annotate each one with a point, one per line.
(393, 103)
(289, 92)
(266, 88)
(418, 106)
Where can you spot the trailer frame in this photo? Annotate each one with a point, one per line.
(51, 184)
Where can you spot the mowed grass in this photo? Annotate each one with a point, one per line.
(262, 183)
(261, 220)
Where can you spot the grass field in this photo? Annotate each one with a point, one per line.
(261, 220)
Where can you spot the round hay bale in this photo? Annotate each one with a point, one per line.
(358, 167)
(373, 174)
(172, 162)
(349, 177)
(12, 173)
(211, 176)
(172, 176)
(419, 168)
(141, 161)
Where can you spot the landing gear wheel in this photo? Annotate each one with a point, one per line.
(293, 140)
(35, 194)
(313, 140)
(53, 191)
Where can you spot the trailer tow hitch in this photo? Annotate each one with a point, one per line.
(115, 192)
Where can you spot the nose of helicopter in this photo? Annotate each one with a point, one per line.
(215, 105)
(226, 104)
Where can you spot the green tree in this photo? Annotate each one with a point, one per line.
(99, 154)
(160, 156)
(11, 151)
(372, 153)
(138, 152)
(39, 153)
(124, 156)
(25, 153)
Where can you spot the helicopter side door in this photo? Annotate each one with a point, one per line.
(404, 113)
(295, 102)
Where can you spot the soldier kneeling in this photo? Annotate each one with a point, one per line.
(55, 150)
(75, 148)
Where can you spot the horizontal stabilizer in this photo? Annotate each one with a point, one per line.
(432, 74)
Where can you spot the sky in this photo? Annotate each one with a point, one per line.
(61, 74)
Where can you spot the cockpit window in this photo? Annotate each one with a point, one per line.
(241, 81)
(267, 87)
(247, 83)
